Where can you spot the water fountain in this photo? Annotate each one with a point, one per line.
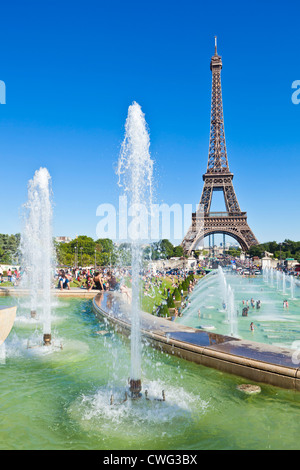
(37, 248)
(283, 282)
(231, 312)
(292, 284)
(135, 169)
(277, 279)
(228, 302)
(223, 285)
(272, 276)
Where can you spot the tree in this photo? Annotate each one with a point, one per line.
(162, 249)
(9, 248)
(178, 251)
(164, 311)
(170, 302)
(123, 254)
(256, 250)
(177, 294)
(105, 245)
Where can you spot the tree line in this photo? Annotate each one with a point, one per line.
(85, 251)
(284, 250)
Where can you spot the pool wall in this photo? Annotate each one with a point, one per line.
(73, 292)
(254, 361)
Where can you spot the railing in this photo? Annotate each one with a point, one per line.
(226, 214)
(218, 214)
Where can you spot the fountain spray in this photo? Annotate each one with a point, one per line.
(37, 247)
(135, 170)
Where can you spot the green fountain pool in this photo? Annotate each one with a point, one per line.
(53, 398)
(273, 323)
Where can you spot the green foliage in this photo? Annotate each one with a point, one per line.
(162, 249)
(234, 251)
(107, 253)
(87, 251)
(164, 311)
(124, 254)
(177, 294)
(184, 285)
(9, 248)
(170, 302)
(150, 303)
(286, 249)
(178, 251)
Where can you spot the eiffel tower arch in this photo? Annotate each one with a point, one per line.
(233, 221)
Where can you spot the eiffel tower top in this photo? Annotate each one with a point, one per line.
(217, 155)
(216, 61)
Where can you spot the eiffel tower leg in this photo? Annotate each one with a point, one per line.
(235, 226)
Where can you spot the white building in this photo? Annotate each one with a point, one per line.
(63, 239)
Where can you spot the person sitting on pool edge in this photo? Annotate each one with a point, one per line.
(63, 282)
(98, 281)
(113, 283)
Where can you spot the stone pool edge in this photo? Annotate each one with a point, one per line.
(223, 354)
(73, 292)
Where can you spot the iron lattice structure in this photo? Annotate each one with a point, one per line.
(218, 177)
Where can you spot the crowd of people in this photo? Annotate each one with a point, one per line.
(107, 279)
(246, 306)
(12, 275)
(87, 278)
(177, 280)
(185, 300)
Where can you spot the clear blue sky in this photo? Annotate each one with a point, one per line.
(72, 68)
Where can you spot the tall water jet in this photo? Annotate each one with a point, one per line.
(292, 284)
(224, 288)
(37, 247)
(277, 279)
(266, 272)
(283, 282)
(231, 312)
(135, 170)
(272, 276)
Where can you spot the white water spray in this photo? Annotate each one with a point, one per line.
(135, 170)
(223, 285)
(228, 302)
(231, 312)
(283, 282)
(37, 245)
(292, 284)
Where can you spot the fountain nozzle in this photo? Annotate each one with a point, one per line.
(135, 387)
(33, 313)
(47, 339)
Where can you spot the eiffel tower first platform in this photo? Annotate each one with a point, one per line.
(218, 177)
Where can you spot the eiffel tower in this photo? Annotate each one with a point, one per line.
(218, 177)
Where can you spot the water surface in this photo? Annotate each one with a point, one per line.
(54, 398)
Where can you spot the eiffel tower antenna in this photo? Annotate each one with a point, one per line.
(218, 177)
